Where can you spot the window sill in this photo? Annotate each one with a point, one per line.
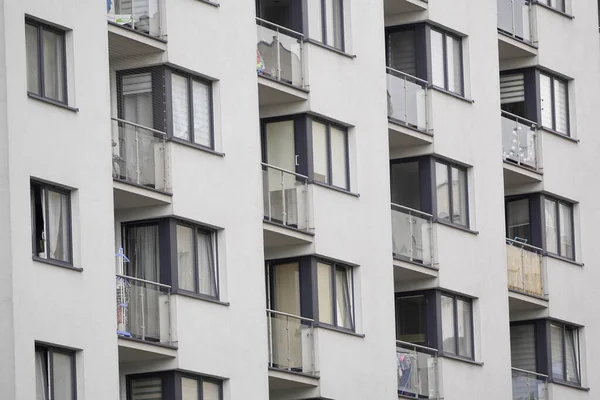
(449, 93)
(57, 264)
(337, 329)
(330, 48)
(462, 359)
(212, 3)
(451, 225)
(337, 189)
(50, 101)
(196, 146)
(571, 385)
(547, 7)
(565, 259)
(201, 297)
(562, 135)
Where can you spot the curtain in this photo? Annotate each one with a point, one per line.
(443, 191)
(550, 218)
(189, 389)
(202, 117)
(556, 350)
(572, 359)
(185, 258)
(211, 391)
(454, 58)
(33, 70)
(286, 331)
(459, 196)
(325, 295)
(339, 158)
(343, 291)
(334, 23)
(58, 222)
(41, 375)
(448, 318)
(465, 334)
(62, 374)
(546, 98)
(437, 58)
(206, 264)
(181, 107)
(320, 162)
(53, 60)
(566, 230)
(560, 101)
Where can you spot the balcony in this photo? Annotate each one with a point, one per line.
(279, 64)
(418, 371)
(520, 150)
(412, 236)
(134, 26)
(529, 385)
(525, 275)
(139, 165)
(286, 207)
(392, 7)
(143, 319)
(408, 109)
(515, 29)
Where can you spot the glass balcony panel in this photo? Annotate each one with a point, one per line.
(412, 235)
(279, 53)
(514, 18)
(291, 343)
(529, 385)
(417, 371)
(407, 99)
(519, 141)
(285, 197)
(525, 268)
(140, 15)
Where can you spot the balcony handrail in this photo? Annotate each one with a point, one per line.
(529, 372)
(144, 281)
(138, 126)
(516, 242)
(412, 210)
(518, 118)
(264, 21)
(284, 170)
(269, 311)
(416, 346)
(422, 81)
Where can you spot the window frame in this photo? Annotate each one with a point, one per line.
(49, 351)
(46, 187)
(324, 25)
(171, 383)
(548, 3)
(40, 27)
(564, 327)
(455, 298)
(559, 222)
(328, 125)
(450, 165)
(553, 78)
(445, 34)
(350, 274)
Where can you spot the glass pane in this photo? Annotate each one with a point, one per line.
(556, 348)
(522, 347)
(339, 158)
(465, 332)
(211, 391)
(559, 5)
(406, 186)
(146, 389)
(560, 101)
(343, 290)
(63, 376)
(319, 137)
(324, 282)
(334, 23)
(206, 264)
(566, 231)
(41, 374)
(437, 59)
(189, 389)
(286, 288)
(448, 318)
(546, 97)
(181, 106)
(402, 51)
(410, 319)
(185, 258)
(58, 238)
(33, 67)
(572, 353)
(442, 191)
(137, 99)
(459, 196)
(453, 50)
(518, 220)
(551, 226)
(202, 117)
(54, 65)
(280, 146)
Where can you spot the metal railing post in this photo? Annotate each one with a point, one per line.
(138, 171)
(512, 6)
(270, 329)
(132, 14)
(289, 349)
(143, 313)
(523, 269)
(283, 205)
(170, 333)
(412, 233)
(426, 90)
(306, 211)
(405, 102)
(278, 53)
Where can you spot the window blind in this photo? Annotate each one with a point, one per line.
(137, 84)
(401, 50)
(146, 389)
(180, 108)
(546, 97)
(202, 121)
(522, 347)
(560, 101)
(512, 88)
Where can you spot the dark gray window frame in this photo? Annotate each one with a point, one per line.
(171, 383)
(564, 11)
(433, 318)
(169, 269)
(41, 26)
(445, 35)
(553, 79)
(324, 25)
(49, 351)
(309, 289)
(559, 222)
(449, 166)
(55, 188)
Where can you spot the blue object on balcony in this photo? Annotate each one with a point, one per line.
(108, 5)
(124, 334)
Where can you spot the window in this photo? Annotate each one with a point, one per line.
(191, 108)
(173, 385)
(411, 319)
(554, 103)
(46, 61)
(55, 377)
(523, 347)
(446, 61)
(451, 193)
(335, 295)
(51, 223)
(195, 260)
(457, 326)
(557, 4)
(558, 219)
(330, 154)
(332, 23)
(564, 349)
(518, 224)
(196, 388)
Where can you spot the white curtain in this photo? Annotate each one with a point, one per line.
(206, 265)
(202, 120)
(550, 218)
(53, 59)
(41, 375)
(185, 258)
(180, 107)
(58, 235)
(448, 334)
(343, 292)
(572, 347)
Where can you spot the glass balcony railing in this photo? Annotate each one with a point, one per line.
(143, 310)
(140, 15)
(529, 385)
(139, 155)
(525, 268)
(412, 235)
(418, 372)
(285, 196)
(407, 100)
(515, 19)
(291, 343)
(279, 53)
(519, 141)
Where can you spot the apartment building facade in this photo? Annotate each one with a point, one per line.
(213, 200)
